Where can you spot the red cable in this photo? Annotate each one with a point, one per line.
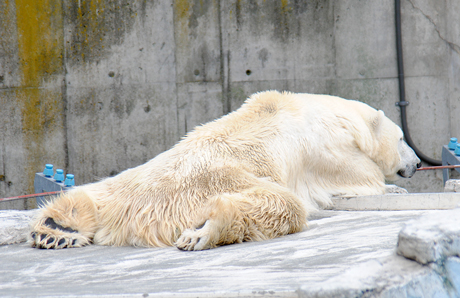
(33, 195)
(438, 167)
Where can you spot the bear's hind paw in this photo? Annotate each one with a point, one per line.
(189, 241)
(195, 239)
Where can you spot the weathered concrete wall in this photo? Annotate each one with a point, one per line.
(95, 87)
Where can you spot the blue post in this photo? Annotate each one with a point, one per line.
(452, 144)
(59, 176)
(69, 180)
(48, 172)
(457, 150)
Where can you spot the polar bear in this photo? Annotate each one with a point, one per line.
(252, 175)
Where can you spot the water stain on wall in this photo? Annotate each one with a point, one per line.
(197, 40)
(93, 26)
(281, 16)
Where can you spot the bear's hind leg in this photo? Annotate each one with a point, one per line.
(258, 213)
(220, 223)
(68, 221)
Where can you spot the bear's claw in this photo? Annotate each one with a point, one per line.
(49, 241)
(56, 236)
(195, 239)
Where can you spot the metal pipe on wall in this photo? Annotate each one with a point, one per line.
(402, 91)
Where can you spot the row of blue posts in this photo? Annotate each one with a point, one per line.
(450, 156)
(49, 181)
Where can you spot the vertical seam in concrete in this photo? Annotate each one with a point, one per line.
(229, 102)
(225, 105)
(450, 78)
(229, 79)
(3, 166)
(334, 46)
(64, 92)
(224, 66)
(454, 48)
(175, 67)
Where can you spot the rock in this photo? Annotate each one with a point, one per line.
(452, 185)
(431, 238)
(14, 226)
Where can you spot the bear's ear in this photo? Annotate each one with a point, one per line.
(377, 123)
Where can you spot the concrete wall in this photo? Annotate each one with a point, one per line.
(95, 87)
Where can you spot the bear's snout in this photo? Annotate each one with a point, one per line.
(408, 171)
(409, 160)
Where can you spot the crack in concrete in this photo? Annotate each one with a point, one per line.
(452, 45)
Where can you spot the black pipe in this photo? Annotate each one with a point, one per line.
(402, 90)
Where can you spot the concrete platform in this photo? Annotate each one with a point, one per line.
(412, 201)
(342, 254)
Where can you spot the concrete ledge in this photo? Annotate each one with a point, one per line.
(414, 201)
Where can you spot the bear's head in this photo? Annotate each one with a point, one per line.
(382, 141)
(391, 153)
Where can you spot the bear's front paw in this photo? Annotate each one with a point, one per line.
(394, 189)
(195, 239)
(49, 234)
(48, 241)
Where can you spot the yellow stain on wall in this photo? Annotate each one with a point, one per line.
(284, 4)
(96, 26)
(186, 15)
(90, 26)
(40, 39)
(40, 46)
(182, 8)
(182, 14)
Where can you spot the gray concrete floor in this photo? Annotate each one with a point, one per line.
(335, 242)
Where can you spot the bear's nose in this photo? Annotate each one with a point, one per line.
(419, 165)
